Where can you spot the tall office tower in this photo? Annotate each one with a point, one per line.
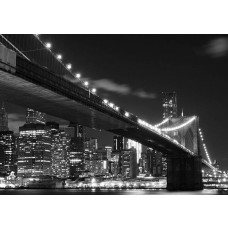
(108, 150)
(34, 152)
(3, 119)
(154, 162)
(128, 163)
(90, 145)
(77, 159)
(169, 103)
(119, 143)
(34, 117)
(60, 151)
(143, 162)
(138, 146)
(164, 166)
(7, 152)
(114, 167)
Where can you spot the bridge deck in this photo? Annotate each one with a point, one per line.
(35, 87)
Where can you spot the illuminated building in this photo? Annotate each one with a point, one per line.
(128, 163)
(114, 163)
(119, 143)
(143, 162)
(137, 146)
(108, 150)
(169, 103)
(7, 152)
(90, 145)
(60, 151)
(3, 119)
(98, 163)
(33, 117)
(77, 158)
(154, 162)
(34, 151)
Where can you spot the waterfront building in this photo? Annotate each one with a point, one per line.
(60, 151)
(128, 163)
(138, 146)
(76, 133)
(34, 150)
(154, 162)
(7, 152)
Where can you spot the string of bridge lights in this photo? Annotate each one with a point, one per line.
(204, 146)
(180, 126)
(68, 66)
(163, 122)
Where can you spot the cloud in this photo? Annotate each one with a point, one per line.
(217, 47)
(111, 86)
(142, 94)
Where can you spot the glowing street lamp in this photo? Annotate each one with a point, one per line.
(86, 83)
(78, 75)
(126, 114)
(94, 90)
(48, 45)
(69, 66)
(59, 57)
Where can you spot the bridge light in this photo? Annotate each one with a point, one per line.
(59, 57)
(105, 101)
(86, 83)
(48, 45)
(94, 90)
(111, 105)
(69, 66)
(117, 108)
(126, 114)
(78, 75)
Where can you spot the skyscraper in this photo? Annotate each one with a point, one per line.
(138, 146)
(60, 151)
(34, 117)
(169, 103)
(119, 143)
(34, 152)
(7, 152)
(77, 159)
(128, 163)
(3, 119)
(154, 162)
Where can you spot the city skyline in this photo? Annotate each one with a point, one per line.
(170, 58)
(172, 152)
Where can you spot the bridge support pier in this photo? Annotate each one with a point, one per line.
(184, 173)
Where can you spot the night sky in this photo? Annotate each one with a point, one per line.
(133, 71)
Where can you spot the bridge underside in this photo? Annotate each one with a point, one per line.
(26, 94)
(19, 91)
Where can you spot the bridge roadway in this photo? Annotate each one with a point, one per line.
(36, 87)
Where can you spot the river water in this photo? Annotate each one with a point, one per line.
(109, 192)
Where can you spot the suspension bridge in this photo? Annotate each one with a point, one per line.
(33, 75)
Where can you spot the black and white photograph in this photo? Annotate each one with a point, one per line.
(92, 114)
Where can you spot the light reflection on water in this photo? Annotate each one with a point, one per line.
(109, 192)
